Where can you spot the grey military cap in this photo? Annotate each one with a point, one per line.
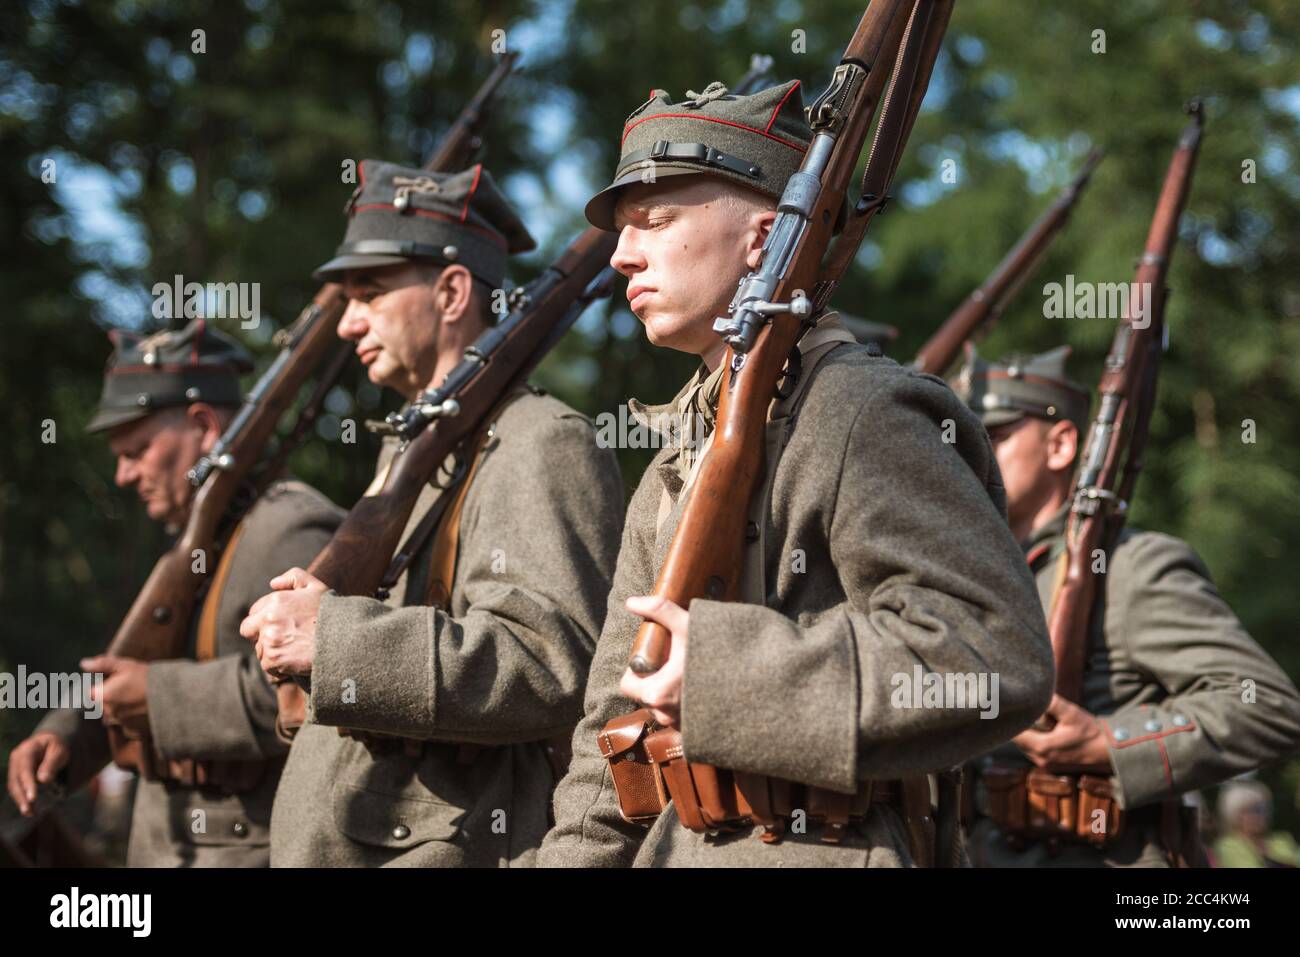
(1005, 392)
(169, 368)
(400, 213)
(757, 141)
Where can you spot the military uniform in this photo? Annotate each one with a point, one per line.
(1184, 696)
(879, 546)
(218, 713)
(448, 709)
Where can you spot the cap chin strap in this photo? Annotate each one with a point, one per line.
(992, 402)
(664, 151)
(447, 255)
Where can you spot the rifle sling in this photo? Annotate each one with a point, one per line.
(446, 544)
(205, 648)
(449, 503)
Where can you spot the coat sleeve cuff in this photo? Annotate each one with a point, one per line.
(363, 676)
(762, 695)
(197, 710)
(1136, 740)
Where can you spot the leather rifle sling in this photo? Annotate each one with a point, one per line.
(446, 540)
(442, 573)
(205, 648)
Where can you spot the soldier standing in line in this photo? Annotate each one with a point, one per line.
(211, 716)
(1177, 696)
(879, 545)
(430, 711)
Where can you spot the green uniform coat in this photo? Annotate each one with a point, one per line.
(220, 709)
(884, 546)
(1186, 697)
(505, 669)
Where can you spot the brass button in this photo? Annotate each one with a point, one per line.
(401, 832)
(239, 829)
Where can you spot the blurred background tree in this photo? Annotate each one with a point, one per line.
(224, 165)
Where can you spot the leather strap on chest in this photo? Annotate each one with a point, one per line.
(446, 541)
(205, 648)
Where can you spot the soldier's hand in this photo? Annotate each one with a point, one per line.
(125, 690)
(661, 692)
(35, 761)
(283, 624)
(1074, 743)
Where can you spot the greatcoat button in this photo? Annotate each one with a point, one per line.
(1121, 734)
(239, 829)
(401, 832)
(1153, 725)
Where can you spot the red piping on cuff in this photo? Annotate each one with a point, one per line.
(1153, 736)
(1169, 775)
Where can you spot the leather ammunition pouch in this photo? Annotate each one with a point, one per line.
(638, 784)
(649, 767)
(1036, 805)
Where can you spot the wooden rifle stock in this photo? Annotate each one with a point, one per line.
(705, 556)
(1112, 456)
(983, 306)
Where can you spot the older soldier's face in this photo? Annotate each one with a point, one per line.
(1036, 458)
(684, 242)
(155, 453)
(393, 319)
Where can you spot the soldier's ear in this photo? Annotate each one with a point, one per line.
(1062, 446)
(453, 292)
(761, 223)
(210, 425)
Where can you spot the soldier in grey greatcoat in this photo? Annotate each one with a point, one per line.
(211, 715)
(877, 547)
(433, 712)
(1176, 694)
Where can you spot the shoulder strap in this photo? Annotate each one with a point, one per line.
(446, 541)
(814, 346)
(205, 648)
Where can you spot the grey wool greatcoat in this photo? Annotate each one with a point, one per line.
(883, 547)
(220, 709)
(502, 671)
(1185, 697)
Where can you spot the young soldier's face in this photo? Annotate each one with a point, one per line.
(393, 319)
(155, 453)
(684, 242)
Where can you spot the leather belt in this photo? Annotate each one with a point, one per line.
(385, 745)
(230, 777)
